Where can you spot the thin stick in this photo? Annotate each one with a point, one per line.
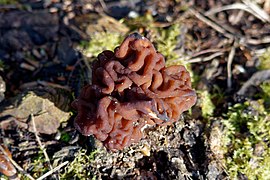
(204, 59)
(16, 165)
(229, 67)
(264, 40)
(103, 5)
(257, 10)
(207, 51)
(52, 171)
(39, 142)
(210, 23)
(45, 83)
(248, 7)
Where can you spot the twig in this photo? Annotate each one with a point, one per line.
(229, 66)
(80, 32)
(248, 7)
(256, 10)
(103, 5)
(265, 40)
(52, 171)
(39, 142)
(44, 83)
(10, 7)
(212, 24)
(16, 165)
(206, 51)
(208, 58)
(255, 80)
(242, 40)
(88, 70)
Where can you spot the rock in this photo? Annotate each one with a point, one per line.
(23, 30)
(46, 115)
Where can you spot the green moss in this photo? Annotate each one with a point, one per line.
(266, 88)
(5, 2)
(265, 60)
(3, 177)
(206, 103)
(65, 137)
(246, 141)
(101, 41)
(265, 95)
(147, 22)
(167, 42)
(79, 167)
(39, 165)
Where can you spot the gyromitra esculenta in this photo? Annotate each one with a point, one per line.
(6, 167)
(131, 88)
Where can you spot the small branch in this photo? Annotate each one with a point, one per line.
(264, 40)
(210, 23)
(206, 51)
(257, 11)
(204, 59)
(16, 165)
(248, 7)
(44, 83)
(229, 66)
(32, 119)
(103, 5)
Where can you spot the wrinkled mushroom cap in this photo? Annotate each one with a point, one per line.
(6, 167)
(131, 88)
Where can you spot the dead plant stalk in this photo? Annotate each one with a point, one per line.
(32, 119)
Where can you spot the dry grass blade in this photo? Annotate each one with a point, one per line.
(249, 7)
(257, 10)
(210, 23)
(103, 5)
(204, 59)
(264, 40)
(41, 146)
(229, 66)
(52, 171)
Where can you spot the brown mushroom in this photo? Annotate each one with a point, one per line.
(131, 87)
(6, 167)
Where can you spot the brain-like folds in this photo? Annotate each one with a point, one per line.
(131, 88)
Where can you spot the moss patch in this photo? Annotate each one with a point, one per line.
(246, 141)
(265, 60)
(101, 41)
(78, 168)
